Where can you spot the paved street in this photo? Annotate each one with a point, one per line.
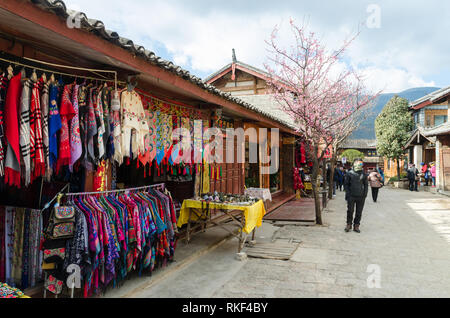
(405, 238)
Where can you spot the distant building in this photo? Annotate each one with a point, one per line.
(368, 147)
(430, 142)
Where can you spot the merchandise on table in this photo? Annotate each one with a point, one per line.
(228, 198)
(7, 291)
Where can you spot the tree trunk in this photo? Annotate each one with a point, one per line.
(333, 164)
(398, 168)
(325, 183)
(316, 194)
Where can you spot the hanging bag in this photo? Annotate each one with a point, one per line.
(62, 222)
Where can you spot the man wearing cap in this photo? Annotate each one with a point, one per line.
(356, 187)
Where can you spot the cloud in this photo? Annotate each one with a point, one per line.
(392, 80)
(410, 44)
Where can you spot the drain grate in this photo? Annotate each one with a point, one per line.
(280, 250)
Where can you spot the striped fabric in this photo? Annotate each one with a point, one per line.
(36, 140)
(45, 136)
(26, 139)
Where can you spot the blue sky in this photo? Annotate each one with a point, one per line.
(403, 44)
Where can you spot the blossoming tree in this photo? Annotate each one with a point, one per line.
(317, 89)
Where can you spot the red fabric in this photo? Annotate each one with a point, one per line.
(37, 145)
(66, 112)
(298, 183)
(12, 177)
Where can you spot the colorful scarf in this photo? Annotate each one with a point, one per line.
(75, 138)
(101, 129)
(12, 162)
(67, 112)
(91, 127)
(54, 124)
(36, 141)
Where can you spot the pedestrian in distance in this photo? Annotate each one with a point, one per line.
(413, 177)
(356, 189)
(376, 183)
(341, 175)
(433, 174)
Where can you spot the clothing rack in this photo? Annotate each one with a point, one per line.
(159, 185)
(66, 74)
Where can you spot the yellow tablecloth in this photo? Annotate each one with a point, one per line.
(253, 213)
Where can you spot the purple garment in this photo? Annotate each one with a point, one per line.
(75, 138)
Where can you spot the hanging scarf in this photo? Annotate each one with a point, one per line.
(26, 138)
(12, 162)
(37, 144)
(75, 138)
(117, 130)
(45, 132)
(91, 127)
(67, 112)
(3, 89)
(54, 124)
(101, 128)
(176, 149)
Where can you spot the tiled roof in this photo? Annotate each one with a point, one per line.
(439, 130)
(432, 97)
(245, 65)
(267, 103)
(97, 27)
(359, 144)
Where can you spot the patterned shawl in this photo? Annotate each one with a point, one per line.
(75, 138)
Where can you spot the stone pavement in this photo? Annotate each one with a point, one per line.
(405, 238)
(404, 247)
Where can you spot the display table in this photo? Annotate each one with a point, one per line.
(246, 217)
(260, 193)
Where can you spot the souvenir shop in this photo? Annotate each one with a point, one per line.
(62, 133)
(93, 175)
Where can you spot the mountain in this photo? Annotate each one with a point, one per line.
(367, 128)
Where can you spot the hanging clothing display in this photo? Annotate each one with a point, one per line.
(133, 118)
(116, 233)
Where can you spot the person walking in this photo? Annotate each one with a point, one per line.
(341, 174)
(426, 173)
(433, 174)
(376, 183)
(335, 180)
(356, 188)
(413, 175)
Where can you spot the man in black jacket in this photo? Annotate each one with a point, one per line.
(356, 188)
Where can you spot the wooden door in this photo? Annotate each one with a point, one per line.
(446, 168)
